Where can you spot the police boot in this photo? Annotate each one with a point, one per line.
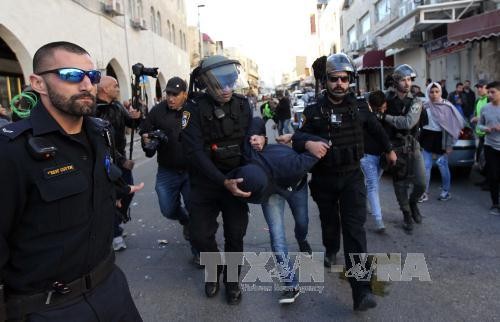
(233, 290)
(363, 299)
(407, 222)
(330, 259)
(212, 288)
(233, 293)
(415, 213)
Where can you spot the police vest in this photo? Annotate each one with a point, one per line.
(344, 131)
(224, 129)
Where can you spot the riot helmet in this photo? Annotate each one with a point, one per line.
(400, 73)
(339, 63)
(220, 76)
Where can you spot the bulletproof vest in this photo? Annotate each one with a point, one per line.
(345, 134)
(398, 107)
(224, 128)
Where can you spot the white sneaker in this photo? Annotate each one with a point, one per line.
(119, 244)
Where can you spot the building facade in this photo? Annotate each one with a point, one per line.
(416, 32)
(117, 34)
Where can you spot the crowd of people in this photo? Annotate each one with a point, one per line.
(71, 182)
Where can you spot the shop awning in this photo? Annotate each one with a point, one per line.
(371, 60)
(477, 27)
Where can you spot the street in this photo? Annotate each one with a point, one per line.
(458, 238)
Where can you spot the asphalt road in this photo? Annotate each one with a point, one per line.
(458, 238)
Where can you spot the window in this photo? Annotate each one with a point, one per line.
(153, 20)
(158, 23)
(382, 9)
(365, 23)
(351, 35)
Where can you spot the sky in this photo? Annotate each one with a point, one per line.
(271, 32)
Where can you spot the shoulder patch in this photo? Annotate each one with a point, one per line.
(99, 122)
(185, 118)
(303, 120)
(13, 130)
(416, 106)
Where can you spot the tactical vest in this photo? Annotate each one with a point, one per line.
(224, 135)
(398, 107)
(345, 134)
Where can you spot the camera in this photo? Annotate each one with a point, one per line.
(156, 137)
(139, 70)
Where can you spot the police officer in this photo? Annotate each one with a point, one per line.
(337, 183)
(215, 124)
(160, 132)
(56, 226)
(401, 121)
(111, 110)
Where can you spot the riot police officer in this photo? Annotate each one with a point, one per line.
(214, 126)
(401, 121)
(337, 183)
(56, 227)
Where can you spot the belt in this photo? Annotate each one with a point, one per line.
(19, 305)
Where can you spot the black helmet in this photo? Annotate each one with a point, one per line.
(340, 63)
(403, 71)
(216, 73)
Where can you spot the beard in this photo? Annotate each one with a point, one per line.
(337, 92)
(72, 105)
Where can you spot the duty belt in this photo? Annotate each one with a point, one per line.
(19, 305)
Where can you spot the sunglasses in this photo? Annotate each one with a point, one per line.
(173, 94)
(75, 75)
(334, 79)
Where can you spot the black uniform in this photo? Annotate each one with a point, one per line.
(116, 114)
(337, 183)
(57, 223)
(213, 147)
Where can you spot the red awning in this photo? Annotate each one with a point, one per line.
(371, 60)
(477, 27)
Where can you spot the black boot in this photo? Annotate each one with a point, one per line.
(407, 222)
(212, 288)
(415, 213)
(363, 298)
(330, 259)
(233, 293)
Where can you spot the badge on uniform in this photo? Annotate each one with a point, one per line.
(303, 120)
(185, 118)
(58, 170)
(336, 119)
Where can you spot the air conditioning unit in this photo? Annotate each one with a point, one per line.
(143, 24)
(136, 23)
(113, 7)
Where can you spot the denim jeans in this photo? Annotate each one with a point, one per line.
(370, 164)
(170, 184)
(442, 163)
(284, 127)
(274, 211)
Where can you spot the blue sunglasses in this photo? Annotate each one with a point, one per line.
(75, 75)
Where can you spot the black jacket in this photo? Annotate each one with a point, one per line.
(116, 114)
(56, 221)
(283, 110)
(170, 154)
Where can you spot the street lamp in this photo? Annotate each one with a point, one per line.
(199, 31)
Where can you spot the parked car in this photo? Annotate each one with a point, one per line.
(462, 157)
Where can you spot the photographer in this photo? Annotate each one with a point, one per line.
(110, 109)
(160, 132)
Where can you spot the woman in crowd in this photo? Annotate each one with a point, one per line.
(438, 137)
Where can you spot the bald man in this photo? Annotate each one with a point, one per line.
(110, 109)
